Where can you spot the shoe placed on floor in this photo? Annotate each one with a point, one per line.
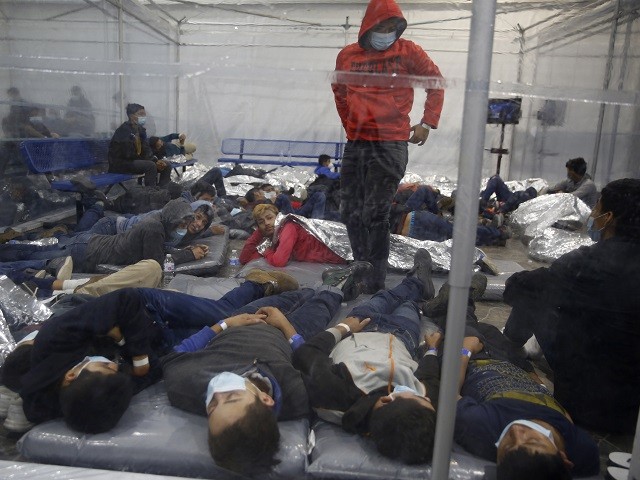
(532, 348)
(83, 184)
(16, 420)
(617, 473)
(274, 282)
(487, 266)
(61, 268)
(9, 234)
(57, 230)
(422, 265)
(6, 397)
(616, 459)
(350, 279)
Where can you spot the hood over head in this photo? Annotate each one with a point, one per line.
(379, 11)
(174, 212)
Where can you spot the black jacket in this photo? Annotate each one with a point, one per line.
(122, 149)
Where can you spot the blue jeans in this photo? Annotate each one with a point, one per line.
(496, 185)
(89, 218)
(427, 226)
(182, 315)
(395, 311)
(307, 310)
(423, 196)
(313, 207)
(214, 177)
(74, 246)
(8, 267)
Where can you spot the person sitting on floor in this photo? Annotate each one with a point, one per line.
(293, 242)
(146, 240)
(361, 373)
(245, 375)
(578, 182)
(91, 393)
(583, 310)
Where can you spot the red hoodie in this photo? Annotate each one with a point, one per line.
(381, 113)
(294, 243)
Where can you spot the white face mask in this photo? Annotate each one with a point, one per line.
(382, 41)
(92, 359)
(35, 119)
(533, 425)
(31, 336)
(142, 120)
(270, 195)
(224, 382)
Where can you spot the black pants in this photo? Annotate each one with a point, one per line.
(369, 178)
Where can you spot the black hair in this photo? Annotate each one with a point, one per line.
(174, 190)
(17, 363)
(205, 210)
(404, 430)
(248, 446)
(578, 165)
(153, 141)
(94, 402)
(622, 198)
(525, 465)
(323, 158)
(133, 108)
(201, 187)
(251, 195)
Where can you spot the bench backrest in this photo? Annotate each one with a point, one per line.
(57, 154)
(282, 149)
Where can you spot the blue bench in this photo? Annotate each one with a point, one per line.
(279, 152)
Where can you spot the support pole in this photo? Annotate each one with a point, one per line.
(121, 58)
(464, 227)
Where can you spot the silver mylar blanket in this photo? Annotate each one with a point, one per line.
(555, 242)
(533, 217)
(17, 309)
(402, 249)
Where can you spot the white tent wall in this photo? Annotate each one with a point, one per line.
(264, 71)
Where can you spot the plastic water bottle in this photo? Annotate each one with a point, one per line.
(234, 263)
(168, 270)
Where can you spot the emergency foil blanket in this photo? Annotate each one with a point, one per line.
(402, 249)
(555, 242)
(533, 217)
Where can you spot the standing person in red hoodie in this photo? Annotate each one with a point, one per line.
(293, 243)
(377, 124)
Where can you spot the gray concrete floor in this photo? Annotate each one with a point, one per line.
(494, 312)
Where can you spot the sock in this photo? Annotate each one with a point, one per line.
(73, 284)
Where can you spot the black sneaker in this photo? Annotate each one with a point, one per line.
(349, 279)
(61, 268)
(422, 265)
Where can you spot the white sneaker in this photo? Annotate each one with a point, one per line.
(6, 397)
(532, 348)
(16, 420)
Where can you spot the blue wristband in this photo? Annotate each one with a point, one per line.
(466, 352)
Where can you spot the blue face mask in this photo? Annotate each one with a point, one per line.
(224, 382)
(178, 234)
(142, 120)
(382, 41)
(594, 234)
(527, 423)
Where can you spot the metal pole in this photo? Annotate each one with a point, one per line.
(464, 227)
(616, 108)
(177, 106)
(121, 58)
(605, 86)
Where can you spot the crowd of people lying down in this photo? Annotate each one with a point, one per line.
(581, 309)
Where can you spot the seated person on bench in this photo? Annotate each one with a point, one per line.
(129, 150)
(91, 393)
(246, 373)
(361, 373)
(293, 242)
